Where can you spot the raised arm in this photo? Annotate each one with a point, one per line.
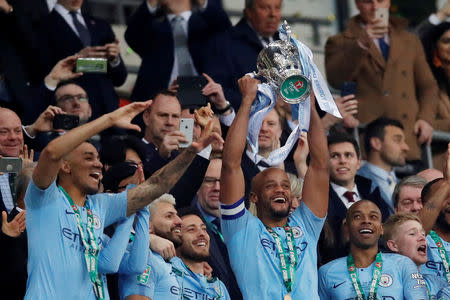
(316, 184)
(50, 159)
(232, 183)
(165, 178)
(436, 199)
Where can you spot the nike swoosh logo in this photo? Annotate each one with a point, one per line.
(336, 285)
(433, 247)
(69, 212)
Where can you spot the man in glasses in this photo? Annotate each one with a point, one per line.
(73, 100)
(208, 205)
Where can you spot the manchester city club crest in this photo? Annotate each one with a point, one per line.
(97, 222)
(297, 231)
(386, 280)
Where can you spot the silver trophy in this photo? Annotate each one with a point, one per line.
(280, 64)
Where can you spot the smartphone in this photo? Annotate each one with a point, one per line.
(10, 165)
(190, 91)
(187, 128)
(65, 122)
(348, 88)
(382, 13)
(92, 65)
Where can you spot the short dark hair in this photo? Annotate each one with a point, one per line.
(376, 129)
(66, 82)
(187, 210)
(114, 149)
(427, 188)
(337, 137)
(165, 92)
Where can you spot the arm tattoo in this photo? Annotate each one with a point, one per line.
(159, 183)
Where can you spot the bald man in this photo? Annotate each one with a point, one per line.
(11, 143)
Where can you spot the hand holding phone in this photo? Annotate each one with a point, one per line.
(187, 128)
(10, 165)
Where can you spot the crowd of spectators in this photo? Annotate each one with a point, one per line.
(121, 203)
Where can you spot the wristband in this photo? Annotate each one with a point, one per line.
(223, 110)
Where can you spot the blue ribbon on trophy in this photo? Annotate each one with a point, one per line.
(288, 67)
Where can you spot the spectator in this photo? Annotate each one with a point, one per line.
(435, 218)
(406, 196)
(233, 54)
(404, 234)
(386, 148)
(162, 137)
(252, 241)
(390, 71)
(171, 36)
(78, 168)
(13, 243)
(347, 188)
(207, 202)
(67, 31)
(430, 174)
(118, 149)
(435, 36)
(397, 279)
(11, 145)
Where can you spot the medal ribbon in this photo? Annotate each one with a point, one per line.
(442, 253)
(91, 248)
(375, 277)
(287, 269)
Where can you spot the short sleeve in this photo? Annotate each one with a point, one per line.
(234, 218)
(115, 206)
(313, 224)
(36, 197)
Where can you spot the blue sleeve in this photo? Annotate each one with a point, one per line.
(115, 207)
(313, 224)
(111, 255)
(135, 261)
(36, 197)
(323, 292)
(414, 286)
(234, 218)
(225, 294)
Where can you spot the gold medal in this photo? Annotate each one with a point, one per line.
(287, 297)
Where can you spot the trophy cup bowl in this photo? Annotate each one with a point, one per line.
(280, 64)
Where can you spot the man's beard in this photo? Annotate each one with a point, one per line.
(190, 254)
(169, 236)
(441, 222)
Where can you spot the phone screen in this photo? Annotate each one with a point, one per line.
(187, 128)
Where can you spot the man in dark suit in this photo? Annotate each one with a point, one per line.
(171, 39)
(162, 138)
(11, 144)
(346, 187)
(207, 202)
(233, 54)
(67, 31)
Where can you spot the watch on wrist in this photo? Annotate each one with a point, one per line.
(223, 110)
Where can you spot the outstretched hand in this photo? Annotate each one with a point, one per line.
(206, 138)
(122, 117)
(16, 226)
(203, 115)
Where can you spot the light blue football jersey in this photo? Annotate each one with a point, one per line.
(434, 284)
(157, 282)
(400, 279)
(444, 294)
(195, 286)
(254, 257)
(56, 264)
(434, 265)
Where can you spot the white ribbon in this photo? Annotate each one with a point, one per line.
(266, 98)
